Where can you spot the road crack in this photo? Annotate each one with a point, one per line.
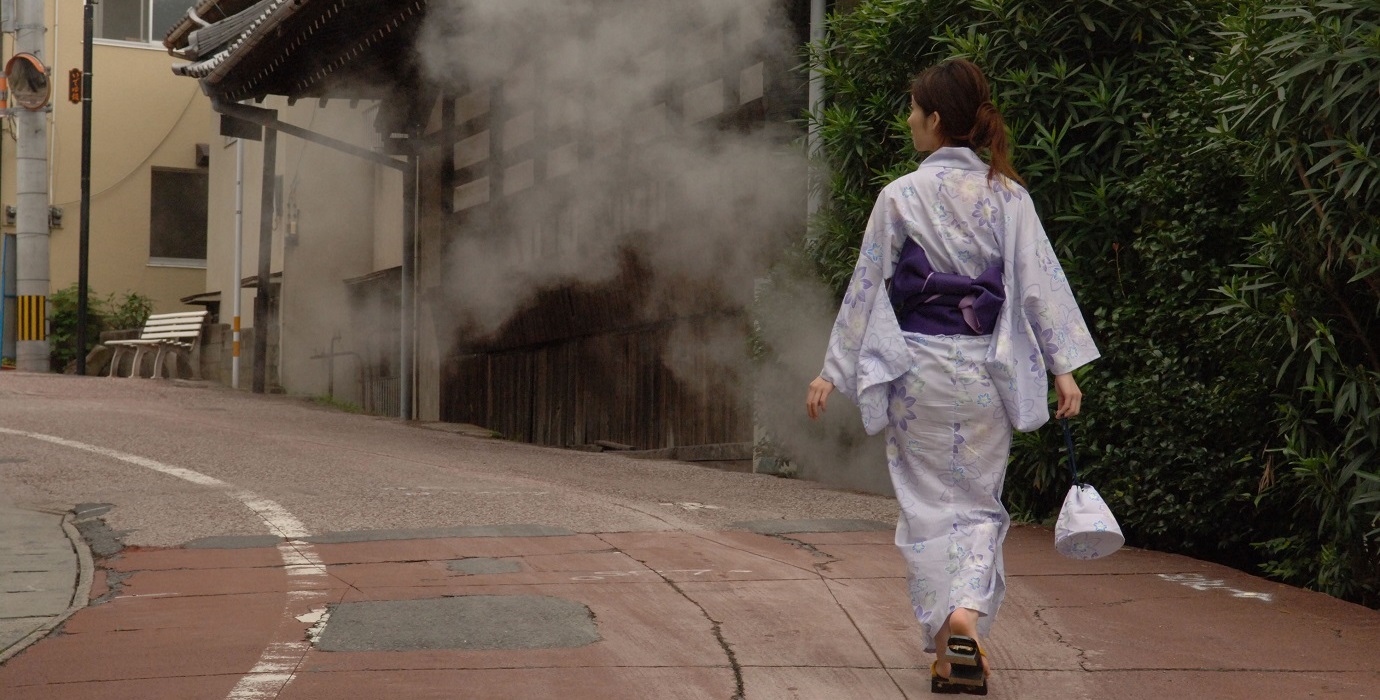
(1083, 659)
(716, 626)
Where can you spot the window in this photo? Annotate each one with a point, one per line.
(138, 20)
(177, 218)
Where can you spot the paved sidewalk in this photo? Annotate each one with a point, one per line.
(40, 572)
(533, 612)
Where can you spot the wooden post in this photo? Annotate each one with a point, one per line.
(261, 297)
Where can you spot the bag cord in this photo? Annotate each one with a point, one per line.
(1068, 440)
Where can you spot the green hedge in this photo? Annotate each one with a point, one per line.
(1157, 180)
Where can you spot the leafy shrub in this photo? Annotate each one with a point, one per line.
(1299, 86)
(1161, 163)
(62, 338)
(129, 313)
(102, 314)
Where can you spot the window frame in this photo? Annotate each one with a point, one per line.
(188, 263)
(155, 38)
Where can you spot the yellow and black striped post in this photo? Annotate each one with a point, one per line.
(33, 318)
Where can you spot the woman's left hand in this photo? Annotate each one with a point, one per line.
(1070, 396)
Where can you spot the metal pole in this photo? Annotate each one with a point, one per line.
(31, 202)
(817, 16)
(236, 291)
(265, 261)
(4, 289)
(84, 241)
(407, 364)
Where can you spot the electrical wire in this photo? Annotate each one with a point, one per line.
(152, 152)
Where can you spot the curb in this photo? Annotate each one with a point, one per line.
(81, 595)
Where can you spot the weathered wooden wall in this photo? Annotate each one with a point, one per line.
(612, 387)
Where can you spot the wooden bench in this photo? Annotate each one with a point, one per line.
(170, 336)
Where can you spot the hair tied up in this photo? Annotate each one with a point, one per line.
(987, 120)
(960, 93)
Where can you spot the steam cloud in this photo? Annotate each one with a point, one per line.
(623, 97)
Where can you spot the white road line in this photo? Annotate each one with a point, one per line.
(277, 666)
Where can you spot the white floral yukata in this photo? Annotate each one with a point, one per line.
(948, 403)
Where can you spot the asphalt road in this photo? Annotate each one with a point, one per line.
(338, 472)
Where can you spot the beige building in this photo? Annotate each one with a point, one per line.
(336, 230)
(504, 188)
(149, 180)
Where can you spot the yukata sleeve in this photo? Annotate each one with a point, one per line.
(866, 350)
(1060, 331)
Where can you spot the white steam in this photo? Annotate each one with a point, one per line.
(612, 143)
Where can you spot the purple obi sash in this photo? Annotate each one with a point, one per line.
(938, 303)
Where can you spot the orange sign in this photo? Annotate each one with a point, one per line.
(74, 86)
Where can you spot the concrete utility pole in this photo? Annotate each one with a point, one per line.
(31, 201)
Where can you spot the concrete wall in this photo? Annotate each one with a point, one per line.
(144, 117)
(339, 218)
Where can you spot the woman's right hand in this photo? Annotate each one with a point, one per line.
(818, 396)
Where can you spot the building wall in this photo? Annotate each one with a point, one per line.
(324, 233)
(143, 117)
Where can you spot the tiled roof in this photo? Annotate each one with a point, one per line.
(297, 47)
(198, 16)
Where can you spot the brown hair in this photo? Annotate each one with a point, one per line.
(959, 92)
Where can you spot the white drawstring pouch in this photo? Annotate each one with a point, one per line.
(1086, 528)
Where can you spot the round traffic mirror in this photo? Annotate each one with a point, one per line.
(28, 81)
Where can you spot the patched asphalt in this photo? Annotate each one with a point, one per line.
(474, 622)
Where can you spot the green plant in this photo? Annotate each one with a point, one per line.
(1299, 84)
(129, 313)
(1109, 105)
(62, 336)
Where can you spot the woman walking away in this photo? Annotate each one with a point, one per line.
(956, 311)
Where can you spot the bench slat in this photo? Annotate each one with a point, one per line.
(170, 336)
(174, 322)
(180, 314)
(173, 326)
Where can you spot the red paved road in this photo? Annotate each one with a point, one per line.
(684, 605)
(691, 615)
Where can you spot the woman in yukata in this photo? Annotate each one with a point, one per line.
(956, 312)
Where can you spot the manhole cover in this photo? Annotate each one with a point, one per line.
(464, 622)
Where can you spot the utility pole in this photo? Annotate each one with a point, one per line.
(84, 243)
(31, 201)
